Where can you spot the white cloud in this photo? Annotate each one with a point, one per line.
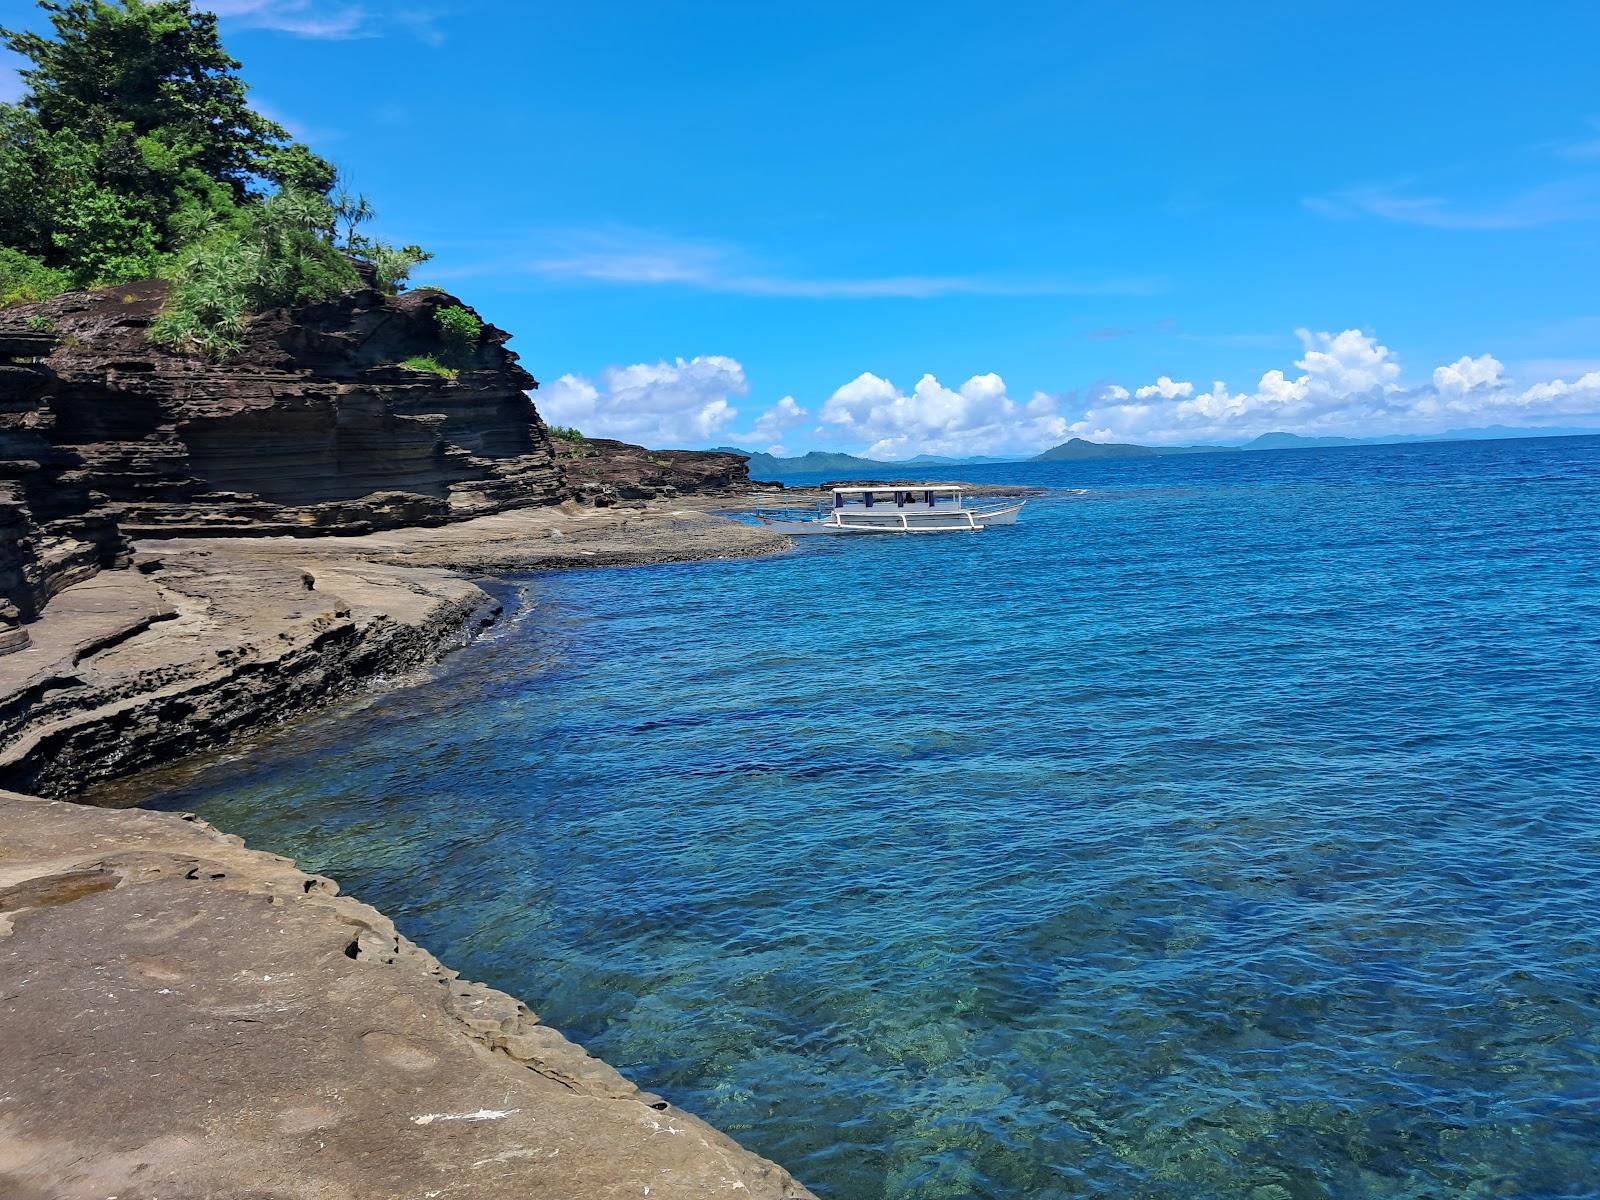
(1347, 384)
(303, 18)
(977, 418)
(334, 20)
(770, 425)
(1467, 373)
(640, 259)
(658, 404)
(1550, 203)
(1165, 388)
(1345, 363)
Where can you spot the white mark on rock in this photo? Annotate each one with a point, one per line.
(508, 1155)
(483, 1114)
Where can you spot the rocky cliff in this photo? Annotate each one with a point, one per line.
(600, 471)
(315, 427)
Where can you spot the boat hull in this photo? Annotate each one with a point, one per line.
(1006, 515)
(836, 524)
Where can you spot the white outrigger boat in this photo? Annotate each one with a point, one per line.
(933, 508)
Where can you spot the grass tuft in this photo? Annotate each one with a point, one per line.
(426, 362)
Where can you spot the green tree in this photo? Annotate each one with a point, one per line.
(134, 116)
(135, 152)
(156, 67)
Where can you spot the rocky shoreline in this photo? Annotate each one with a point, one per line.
(190, 1018)
(191, 551)
(207, 638)
(247, 1030)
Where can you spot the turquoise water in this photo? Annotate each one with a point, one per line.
(1228, 828)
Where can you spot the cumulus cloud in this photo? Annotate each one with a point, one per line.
(979, 417)
(1467, 373)
(1166, 389)
(1346, 384)
(686, 402)
(770, 425)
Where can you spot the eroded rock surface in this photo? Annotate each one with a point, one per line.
(602, 471)
(205, 638)
(181, 1017)
(317, 427)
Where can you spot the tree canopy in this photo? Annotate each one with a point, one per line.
(135, 152)
(134, 115)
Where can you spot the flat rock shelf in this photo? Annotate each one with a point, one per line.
(230, 1026)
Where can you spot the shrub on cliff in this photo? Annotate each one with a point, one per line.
(390, 265)
(460, 332)
(25, 280)
(430, 365)
(277, 252)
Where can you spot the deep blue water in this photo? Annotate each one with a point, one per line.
(1230, 827)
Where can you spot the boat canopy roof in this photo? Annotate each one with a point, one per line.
(896, 487)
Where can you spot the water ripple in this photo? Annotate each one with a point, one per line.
(1227, 828)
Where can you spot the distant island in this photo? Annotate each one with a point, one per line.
(1077, 449)
(763, 465)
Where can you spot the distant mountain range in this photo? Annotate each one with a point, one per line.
(1078, 450)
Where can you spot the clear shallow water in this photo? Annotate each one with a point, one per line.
(1229, 829)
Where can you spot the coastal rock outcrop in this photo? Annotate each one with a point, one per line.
(601, 471)
(206, 1020)
(316, 427)
(209, 638)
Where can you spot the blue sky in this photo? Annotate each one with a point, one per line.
(979, 228)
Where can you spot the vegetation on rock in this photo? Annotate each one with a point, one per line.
(275, 252)
(426, 362)
(25, 280)
(460, 332)
(568, 442)
(135, 153)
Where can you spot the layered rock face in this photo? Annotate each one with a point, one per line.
(600, 471)
(55, 530)
(314, 428)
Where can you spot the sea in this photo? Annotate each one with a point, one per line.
(1229, 827)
